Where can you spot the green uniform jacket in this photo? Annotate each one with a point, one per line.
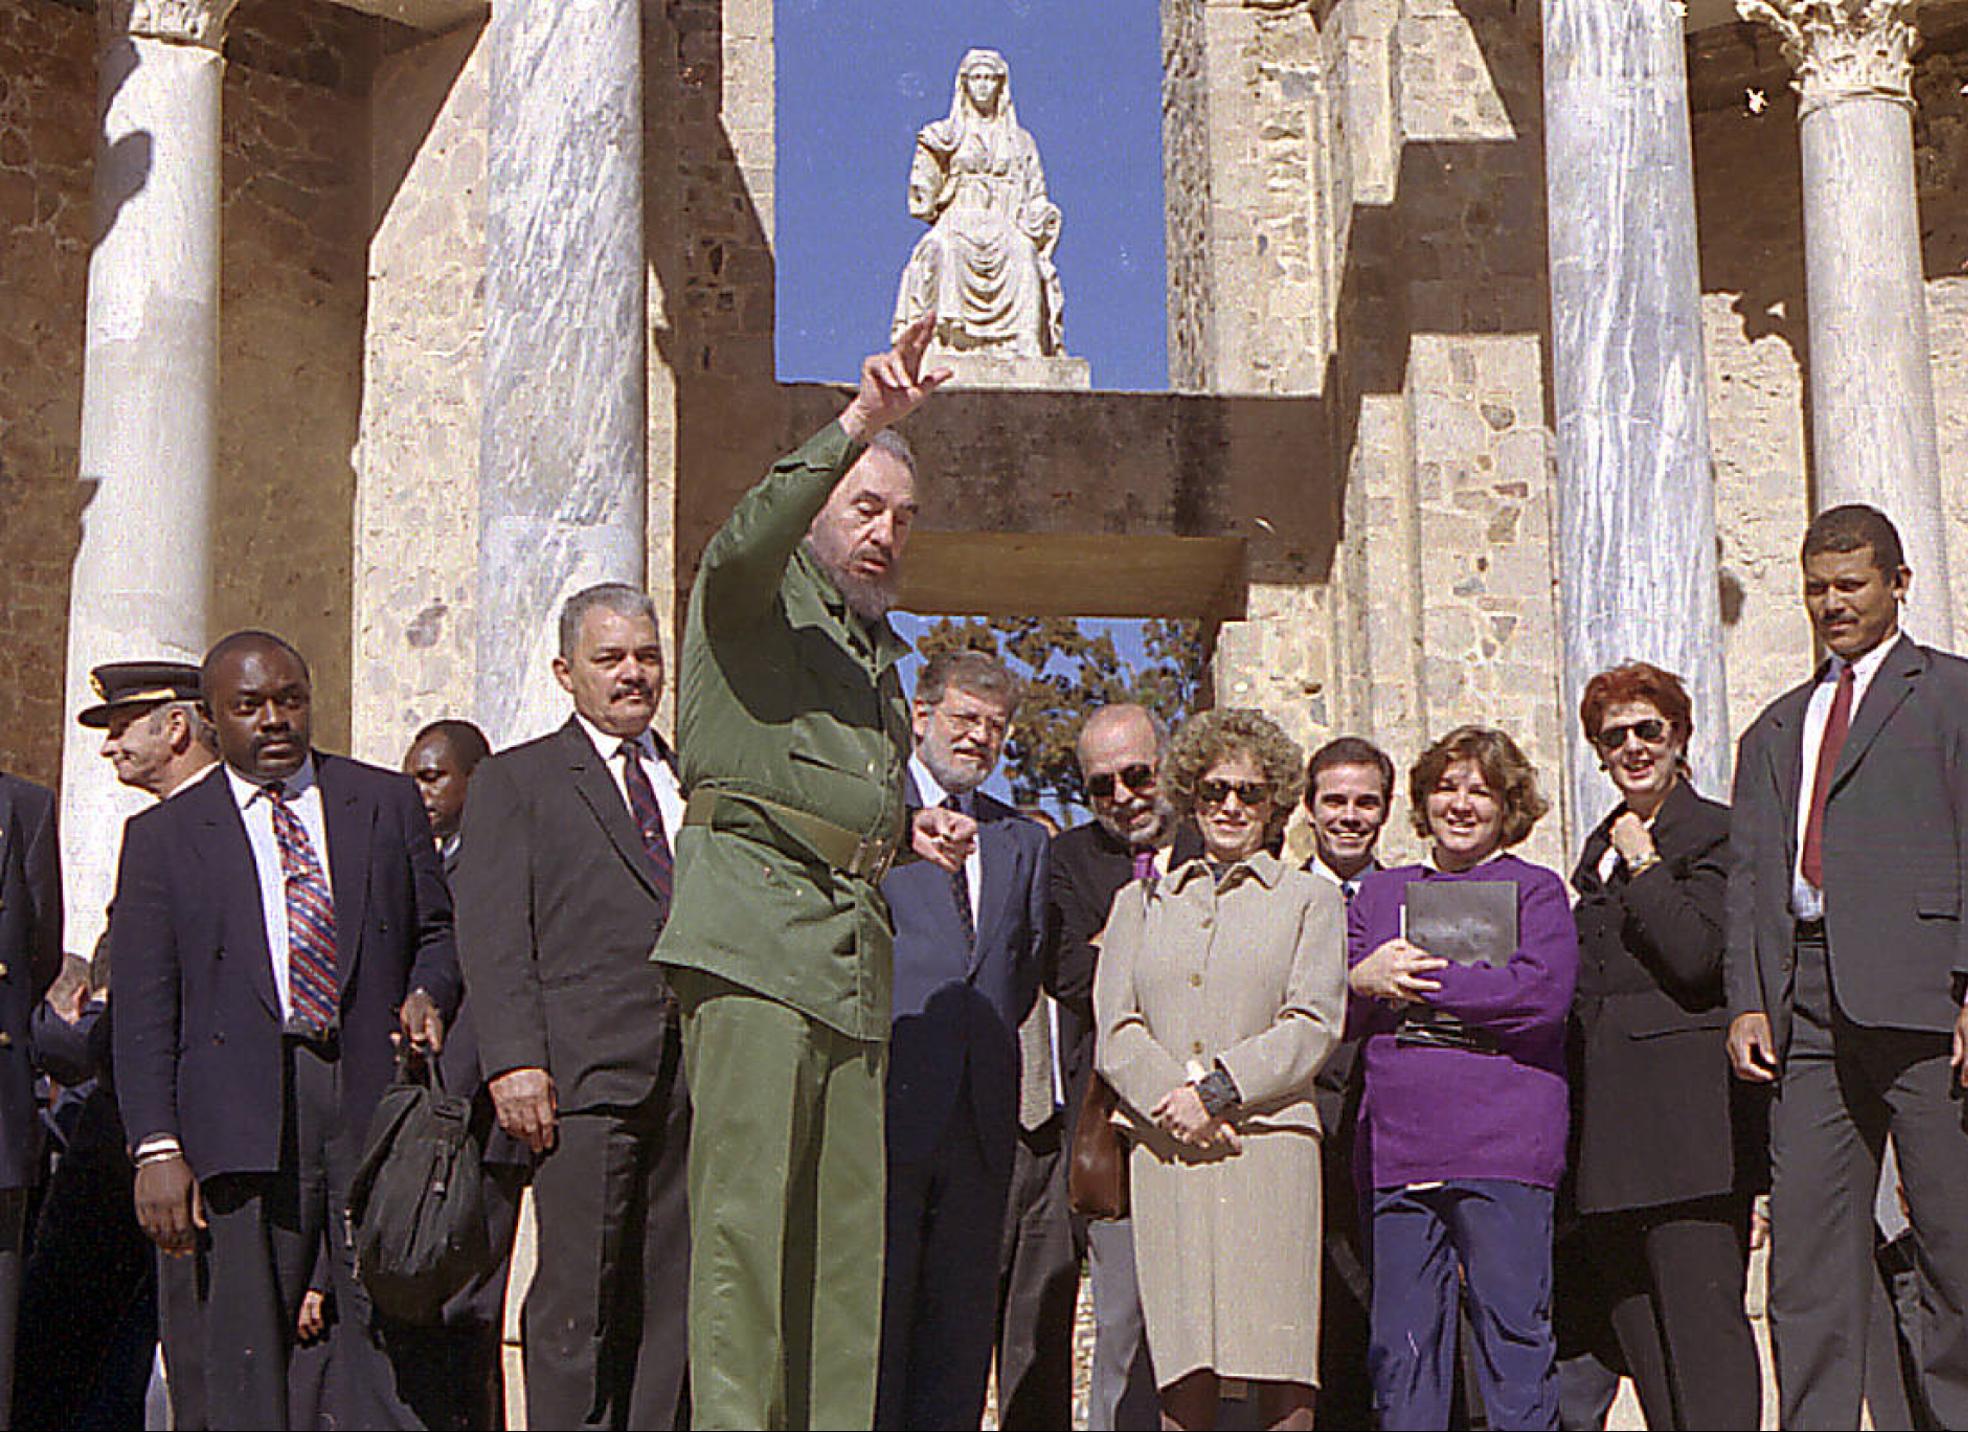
(785, 694)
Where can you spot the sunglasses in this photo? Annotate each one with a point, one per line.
(1135, 778)
(1215, 793)
(1652, 731)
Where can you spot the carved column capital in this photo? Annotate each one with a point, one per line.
(183, 22)
(1844, 49)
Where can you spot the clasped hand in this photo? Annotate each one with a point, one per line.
(1180, 1114)
(1397, 973)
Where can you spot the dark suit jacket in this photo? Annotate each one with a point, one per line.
(198, 1028)
(463, 1072)
(557, 913)
(957, 1009)
(1088, 867)
(1895, 850)
(30, 958)
(1654, 1105)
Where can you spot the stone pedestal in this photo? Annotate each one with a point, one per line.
(977, 370)
(1636, 504)
(562, 455)
(149, 396)
(1873, 430)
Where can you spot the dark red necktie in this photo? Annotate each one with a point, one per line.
(960, 885)
(649, 820)
(1837, 726)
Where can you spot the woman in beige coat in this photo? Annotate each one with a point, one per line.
(1220, 991)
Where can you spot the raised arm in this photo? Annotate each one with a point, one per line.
(743, 564)
(1675, 909)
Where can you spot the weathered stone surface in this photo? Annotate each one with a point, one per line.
(1636, 509)
(562, 496)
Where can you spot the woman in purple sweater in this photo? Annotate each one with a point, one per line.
(1463, 1122)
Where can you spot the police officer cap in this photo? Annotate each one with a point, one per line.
(132, 685)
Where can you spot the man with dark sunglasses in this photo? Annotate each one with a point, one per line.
(1132, 834)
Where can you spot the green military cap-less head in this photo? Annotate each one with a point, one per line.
(126, 685)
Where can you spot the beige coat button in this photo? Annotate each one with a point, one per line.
(1196, 980)
(1196, 1047)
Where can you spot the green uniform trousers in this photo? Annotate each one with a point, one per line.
(787, 1191)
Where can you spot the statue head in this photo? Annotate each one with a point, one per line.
(981, 81)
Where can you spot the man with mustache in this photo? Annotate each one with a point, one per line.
(278, 927)
(1845, 971)
(563, 882)
(794, 734)
(1131, 837)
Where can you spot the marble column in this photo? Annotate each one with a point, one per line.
(1635, 491)
(150, 379)
(563, 473)
(1873, 435)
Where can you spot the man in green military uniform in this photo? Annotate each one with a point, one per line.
(793, 735)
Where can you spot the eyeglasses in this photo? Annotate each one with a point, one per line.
(1136, 778)
(1215, 793)
(969, 723)
(1652, 731)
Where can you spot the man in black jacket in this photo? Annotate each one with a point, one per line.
(563, 883)
(1132, 835)
(1845, 970)
(278, 927)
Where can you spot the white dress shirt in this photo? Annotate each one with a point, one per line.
(1349, 886)
(256, 810)
(1806, 900)
(932, 794)
(669, 794)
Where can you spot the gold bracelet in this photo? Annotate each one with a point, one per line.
(1644, 864)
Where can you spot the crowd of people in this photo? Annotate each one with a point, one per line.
(790, 1030)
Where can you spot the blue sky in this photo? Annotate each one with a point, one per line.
(858, 78)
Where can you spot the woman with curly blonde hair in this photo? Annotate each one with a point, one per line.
(1219, 992)
(1466, 1106)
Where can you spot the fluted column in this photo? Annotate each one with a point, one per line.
(1872, 384)
(149, 393)
(562, 456)
(1636, 496)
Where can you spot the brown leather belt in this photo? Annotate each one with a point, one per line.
(860, 856)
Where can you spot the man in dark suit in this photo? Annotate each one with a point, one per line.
(1349, 793)
(1845, 970)
(30, 958)
(1132, 834)
(564, 880)
(277, 929)
(968, 949)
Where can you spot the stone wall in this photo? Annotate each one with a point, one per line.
(47, 139)
(292, 298)
(416, 523)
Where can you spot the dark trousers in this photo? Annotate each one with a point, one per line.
(1843, 1088)
(1345, 1296)
(939, 1293)
(266, 1237)
(88, 1312)
(1038, 1287)
(606, 1325)
(467, 1349)
(1672, 1278)
(1493, 1237)
(181, 1284)
(13, 1230)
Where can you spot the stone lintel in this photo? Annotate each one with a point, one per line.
(1073, 575)
(421, 14)
(180, 22)
(975, 370)
(1844, 49)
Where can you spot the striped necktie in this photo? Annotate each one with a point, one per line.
(649, 820)
(960, 885)
(311, 988)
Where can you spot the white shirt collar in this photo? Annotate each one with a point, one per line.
(1497, 854)
(610, 747)
(244, 789)
(928, 788)
(1867, 666)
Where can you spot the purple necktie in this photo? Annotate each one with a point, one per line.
(1144, 864)
(311, 989)
(649, 820)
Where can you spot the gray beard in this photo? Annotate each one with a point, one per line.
(870, 600)
(956, 783)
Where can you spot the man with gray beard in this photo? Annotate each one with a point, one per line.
(793, 734)
(1132, 836)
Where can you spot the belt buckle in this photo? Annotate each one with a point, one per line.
(872, 858)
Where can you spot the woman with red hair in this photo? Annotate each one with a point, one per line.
(1666, 1156)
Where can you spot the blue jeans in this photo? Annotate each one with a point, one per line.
(1497, 1234)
